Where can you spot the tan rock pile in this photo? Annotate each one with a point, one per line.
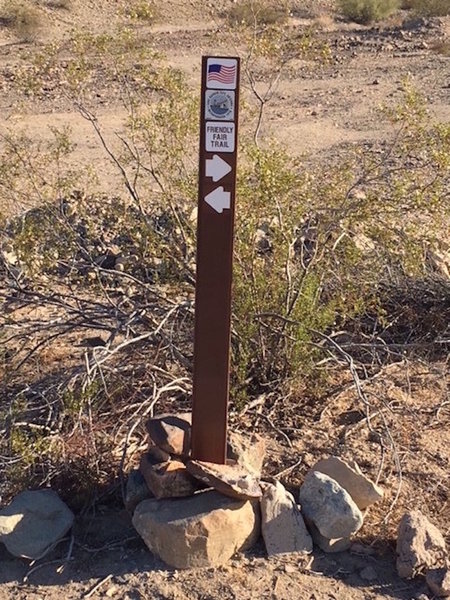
(200, 513)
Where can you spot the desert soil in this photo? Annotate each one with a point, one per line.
(317, 113)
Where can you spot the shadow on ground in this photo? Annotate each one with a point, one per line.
(107, 553)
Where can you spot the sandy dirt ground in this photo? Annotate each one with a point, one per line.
(314, 113)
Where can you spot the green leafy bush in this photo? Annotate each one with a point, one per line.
(366, 11)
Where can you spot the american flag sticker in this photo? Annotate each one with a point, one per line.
(221, 73)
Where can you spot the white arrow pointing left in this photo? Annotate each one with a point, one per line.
(216, 168)
(218, 199)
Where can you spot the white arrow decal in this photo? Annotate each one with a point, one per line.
(218, 199)
(217, 168)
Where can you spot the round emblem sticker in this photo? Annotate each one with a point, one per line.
(220, 105)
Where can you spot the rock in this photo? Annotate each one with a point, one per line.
(328, 545)
(204, 530)
(136, 490)
(420, 545)
(168, 479)
(230, 479)
(438, 581)
(156, 456)
(282, 525)
(363, 491)
(329, 506)
(171, 433)
(33, 522)
(247, 451)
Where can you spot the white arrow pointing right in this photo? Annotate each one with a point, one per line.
(216, 168)
(218, 199)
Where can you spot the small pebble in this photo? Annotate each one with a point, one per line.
(290, 569)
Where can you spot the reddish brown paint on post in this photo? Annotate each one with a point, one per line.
(215, 226)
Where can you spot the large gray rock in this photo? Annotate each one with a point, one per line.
(420, 545)
(282, 525)
(171, 433)
(438, 581)
(248, 451)
(33, 522)
(349, 476)
(204, 530)
(230, 479)
(329, 506)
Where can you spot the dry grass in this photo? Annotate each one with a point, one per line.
(22, 18)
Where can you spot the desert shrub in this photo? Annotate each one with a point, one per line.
(24, 20)
(429, 8)
(58, 4)
(142, 10)
(257, 12)
(366, 11)
(442, 47)
(313, 248)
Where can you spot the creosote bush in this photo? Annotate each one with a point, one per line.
(429, 8)
(22, 18)
(142, 10)
(257, 12)
(367, 11)
(58, 4)
(110, 280)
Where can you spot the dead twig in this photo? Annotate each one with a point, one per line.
(97, 586)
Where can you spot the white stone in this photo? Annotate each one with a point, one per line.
(282, 525)
(349, 476)
(329, 506)
(420, 545)
(34, 521)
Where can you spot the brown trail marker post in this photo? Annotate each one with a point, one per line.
(215, 225)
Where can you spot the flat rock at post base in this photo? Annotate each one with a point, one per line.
(33, 522)
(331, 509)
(204, 530)
(329, 546)
(167, 480)
(282, 525)
(420, 545)
(364, 492)
(171, 433)
(438, 581)
(248, 451)
(231, 479)
(136, 490)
